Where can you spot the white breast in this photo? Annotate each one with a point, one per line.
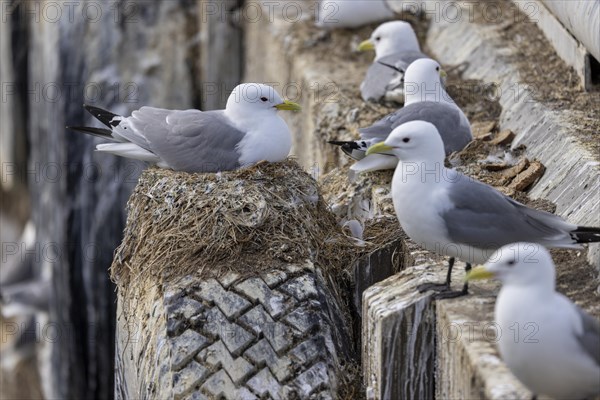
(539, 347)
(414, 202)
(266, 139)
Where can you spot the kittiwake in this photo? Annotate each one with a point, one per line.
(351, 13)
(426, 100)
(452, 214)
(396, 47)
(551, 345)
(247, 131)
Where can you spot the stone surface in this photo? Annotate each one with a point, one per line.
(265, 385)
(398, 324)
(233, 336)
(482, 128)
(373, 268)
(302, 320)
(218, 356)
(229, 303)
(567, 26)
(262, 351)
(582, 18)
(301, 288)
(468, 364)
(185, 380)
(258, 290)
(311, 380)
(185, 347)
(535, 170)
(503, 138)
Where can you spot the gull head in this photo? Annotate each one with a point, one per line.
(252, 98)
(518, 264)
(424, 81)
(391, 37)
(414, 141)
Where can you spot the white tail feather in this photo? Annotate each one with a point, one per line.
(129, 150)
(375, 162)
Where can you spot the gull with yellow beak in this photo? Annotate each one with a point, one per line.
(454, 215)
(426, 100)
(551, 345)
(247, 131)
(396, 47)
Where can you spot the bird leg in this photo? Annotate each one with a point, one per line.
(451, 294)
(439, 287)
(444, 289)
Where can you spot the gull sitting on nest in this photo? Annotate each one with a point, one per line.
(247, 131)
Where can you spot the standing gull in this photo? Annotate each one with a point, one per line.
(454, 215)
(247, 131)
(551, 345)
(426, 100)
(396, 47)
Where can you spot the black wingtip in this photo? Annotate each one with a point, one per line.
(586, 234)
(104, 116)
(338, 142)
(99, 132)
(391, 66)
(347, 146)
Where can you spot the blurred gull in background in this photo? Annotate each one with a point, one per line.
(396, 47)
(351, 13)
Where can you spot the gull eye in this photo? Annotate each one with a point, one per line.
(378, 38)
(511, 263)
(437, 68)
(264, 98)
(406, 140)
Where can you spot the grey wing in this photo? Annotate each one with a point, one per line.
(380, 129)
(446, 118)
(387, 74)
(190, 140)
(590, 338)
(403, 60)
(485, 218)
(376, 82)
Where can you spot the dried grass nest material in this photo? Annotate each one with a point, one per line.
(244, 221)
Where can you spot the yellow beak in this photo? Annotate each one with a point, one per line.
(479, 273)
(378, 148)
(366, 45)
(288, 106)
(443, 74)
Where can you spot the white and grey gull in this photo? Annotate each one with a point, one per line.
(247, 131)
(396, 47)
(454, 215)
(559, 353)
(426, 100)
